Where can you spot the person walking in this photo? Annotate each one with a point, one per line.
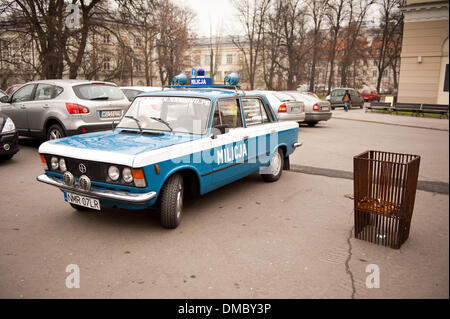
(347, 99)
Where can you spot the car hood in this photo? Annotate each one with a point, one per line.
(113, 146)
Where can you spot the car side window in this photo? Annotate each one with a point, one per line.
(23, 94)
(47, 92)
(228, 113)
(254, 111)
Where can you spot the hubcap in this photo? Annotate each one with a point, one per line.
(55, 134)
(275, 163)
(179, 201)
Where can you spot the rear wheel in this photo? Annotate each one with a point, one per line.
(275, 167)
(172, 201)
(314, 123)
(55, 131)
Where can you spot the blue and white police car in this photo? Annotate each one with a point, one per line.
(180, 140)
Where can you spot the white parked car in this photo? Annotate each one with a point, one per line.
(315, 109)
(285, 106)
(132, 91)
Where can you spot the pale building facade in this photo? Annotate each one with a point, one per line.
(424, 59)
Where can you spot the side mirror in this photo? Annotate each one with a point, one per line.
(4, 99)
(218, 130)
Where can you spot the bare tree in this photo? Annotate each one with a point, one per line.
(317, 10)
(385, 46)
(252, 17)
(57, 43)
(336, 17)
(352, 37)
(271, 39)
(173, 39)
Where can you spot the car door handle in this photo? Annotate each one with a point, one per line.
(45, 106)
(23, 107)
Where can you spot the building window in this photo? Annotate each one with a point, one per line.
(207, 59)
(446, 84)
(218, 59)
(197, 60)
(229, 59)
(374, 74)
(138, 42)
(106, 38)
(106, 64)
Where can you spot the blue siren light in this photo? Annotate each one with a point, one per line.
(232, 78)
(180, 79)
(200, 72)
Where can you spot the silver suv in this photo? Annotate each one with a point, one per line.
(58, 108)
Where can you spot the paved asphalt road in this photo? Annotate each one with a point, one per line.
(250, 239)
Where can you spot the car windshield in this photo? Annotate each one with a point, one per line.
(366, 92)
(283, 97)
(98, 92)
(168, 113)
(2, 94)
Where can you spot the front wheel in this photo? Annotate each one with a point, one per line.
(311, 124)
(275, 167)
(172, 201)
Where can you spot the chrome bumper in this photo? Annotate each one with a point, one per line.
(132, 198)
(297, 145)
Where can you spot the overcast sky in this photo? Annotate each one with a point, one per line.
(223, 17)
(220, 14)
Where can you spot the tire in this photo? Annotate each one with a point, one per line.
(276, 165)
(6, 157)
(78, 207)
(332, 107)
(55, 131)
(172, 201)
(312, 124)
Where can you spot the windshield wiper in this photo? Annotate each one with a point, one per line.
(100, 98)
(136, 120)
(162, 121)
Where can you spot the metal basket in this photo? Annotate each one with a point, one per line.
(384, 193)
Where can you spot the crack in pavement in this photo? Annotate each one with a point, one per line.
(427, 186)
(347, 263)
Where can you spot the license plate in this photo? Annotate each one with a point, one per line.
(295, 109)
(110, 114)
(324, 108)
(84, 201)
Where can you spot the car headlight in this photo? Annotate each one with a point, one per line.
(9, 126)
(113, 173)
(62, 165)
(54, 163)
(127, 175)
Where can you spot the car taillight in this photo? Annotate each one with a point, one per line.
(315, 107)
(76, 108)
(282, 108)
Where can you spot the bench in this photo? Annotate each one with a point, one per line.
(379, 106)
(410, 107)
(440, 109)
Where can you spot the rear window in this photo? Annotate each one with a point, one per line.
(283, 97)
(98, 92)
(338, 93)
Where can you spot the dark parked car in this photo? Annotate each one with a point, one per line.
(8, 138)
(336, 96)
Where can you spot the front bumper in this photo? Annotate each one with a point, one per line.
(131, 198)
(317, 116)
(10, 141)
